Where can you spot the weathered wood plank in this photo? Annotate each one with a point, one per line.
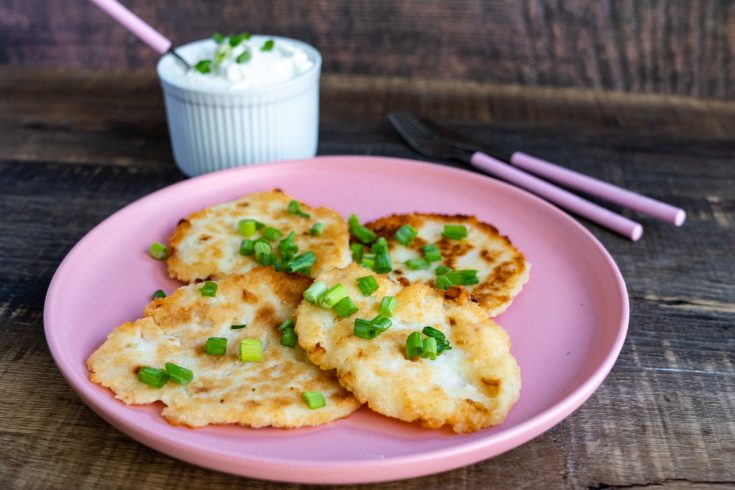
(673, 47)
(76, 146)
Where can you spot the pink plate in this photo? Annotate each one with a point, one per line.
(567, 326)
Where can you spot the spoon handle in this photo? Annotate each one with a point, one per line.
(135, 24)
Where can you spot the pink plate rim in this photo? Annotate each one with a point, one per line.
(345, 471)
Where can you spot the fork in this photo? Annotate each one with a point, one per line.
(437, 146)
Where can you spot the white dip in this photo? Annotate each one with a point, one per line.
(244, 66)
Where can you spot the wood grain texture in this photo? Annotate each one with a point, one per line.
(662, 46)
(77, 145)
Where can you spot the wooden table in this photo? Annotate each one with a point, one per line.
(75, 146)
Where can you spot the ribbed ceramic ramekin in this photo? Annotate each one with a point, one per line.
(217, 128)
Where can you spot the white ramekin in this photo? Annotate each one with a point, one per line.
(217, 128)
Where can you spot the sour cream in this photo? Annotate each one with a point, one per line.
(257, 68)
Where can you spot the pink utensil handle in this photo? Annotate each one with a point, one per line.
(135, 24)
(604, 217)
(609, 192)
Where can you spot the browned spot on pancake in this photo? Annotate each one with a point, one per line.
(489, 256)
(249, 297)
(453, 292)
(204, 238)
(417, 243)
(200, 389)
(348, 377)
(281, 402)
(183, 222)
(398, 272)
(319, 348)
(404, 282)
(265, 314)
(492, 386)
(452, 321)
(243, 204)
(477, 406)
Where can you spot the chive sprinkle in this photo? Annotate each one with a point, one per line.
(153, 377)
(204, 66)
(383, 263)
(442, 343)
(316, 229)
(289, 338)
(429, 348)
(367, 285)
(246, 35)
(300, 263)
(264, 252)
(288, 324)
(431, 253)
(313, 399)
(381, 322)
(158, 251)
(414, 345)
(406, 234)
(179, 374)
(345, 307)
(332, 296)
(455, 232)
(288, 247)
(160, 293)
(315, 291)
(358, 250)
(270, 233)
(247, 247)
(234, 40)
(466, 277)
(218, 38)
(268, 45)
(417, 264)
(215, 346)
(208, 289)
(368, 263)
(443, 282)
(388, 305)
(251, 350)
(380, 245)
(238, 327)
(365, 329)
(247, 227)
(244, 57)
(442, 269)
(294, 207)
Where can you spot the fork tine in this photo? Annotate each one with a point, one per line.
(410, 120)
(419, 142)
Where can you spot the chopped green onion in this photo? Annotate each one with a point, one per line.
(358, 250)
(353, 220)
(362, 233)
(441, 341)
(247, 227)
(264, 252)
(406, 234)
(417, 264)
(365, 329)
(222, 53)
(380, 246)
(345, 307)
(270, 233)
(289, 338)
(443, 282)
(316, 229)
(294, 207)
(179, 374)
(288, 324)
(247, 247)
(381, 323)
(159, 294)
(414, 345)
(158, 251)
(153, 377)
(246, 35)
(301, 262)
(383, 263)
(204, 66)
(234, 40)
(442, 269)
(465, 277)
(268, 45)
(238, 327)
(215, 346)
(218, 38)
(288, 247)
(431, 253)
(332, 296)
(429, 348)
(315, 292)
(388, 305)
(209, 289)
(455, 232)
(244, 57)
(251, 350)
(368, 285)
(368, 263)
(313, 399)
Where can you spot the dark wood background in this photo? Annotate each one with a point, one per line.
(671, 47)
